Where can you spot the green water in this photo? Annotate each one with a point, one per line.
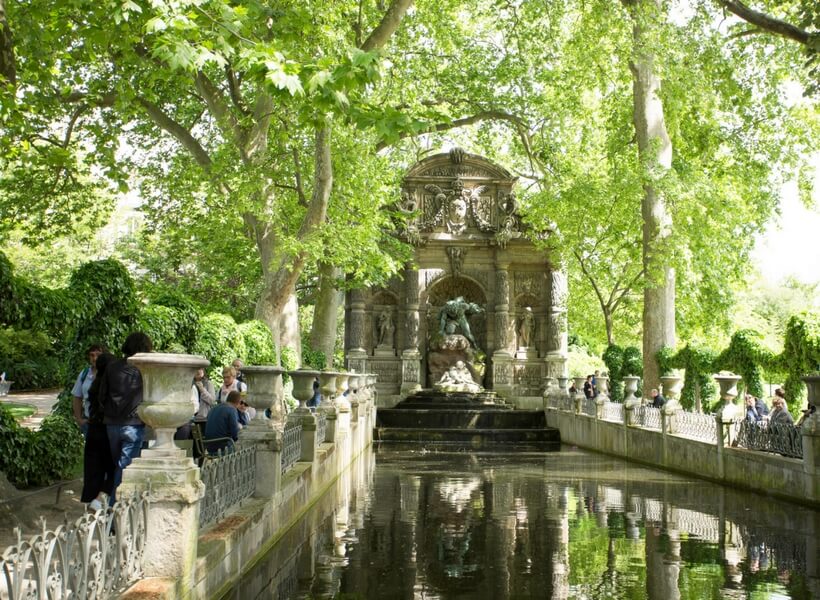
(569, 524)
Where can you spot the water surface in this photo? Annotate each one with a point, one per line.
(570, 524)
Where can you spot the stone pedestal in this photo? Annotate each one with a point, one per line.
(303, 391)
(503, 373)
(176, 488)
(327, 383)
(265, 392)
(410, 372)
(730, 411)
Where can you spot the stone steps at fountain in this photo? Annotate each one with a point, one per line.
(464, 420)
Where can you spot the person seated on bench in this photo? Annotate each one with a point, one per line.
(222, 427)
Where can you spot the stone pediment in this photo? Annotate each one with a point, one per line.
(457, 194)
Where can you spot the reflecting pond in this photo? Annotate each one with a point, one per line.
(570, 524)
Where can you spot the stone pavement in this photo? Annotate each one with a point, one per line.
(42, 400)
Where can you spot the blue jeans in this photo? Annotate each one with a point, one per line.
(126, 443)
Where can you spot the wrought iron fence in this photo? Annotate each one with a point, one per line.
(588, 407)
(613, 411)
(321, 427)
(291, 445)
(771, 437)
(649, 417)
(696, 425)
(229, 478)
(97, 556)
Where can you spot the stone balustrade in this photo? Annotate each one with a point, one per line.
(781, 461)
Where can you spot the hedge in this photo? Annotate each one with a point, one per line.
(220, 341)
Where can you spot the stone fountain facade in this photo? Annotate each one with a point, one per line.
(470, 242)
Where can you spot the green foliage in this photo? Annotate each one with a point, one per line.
(621, 362)
(220, 341)
(314, 359)
(746, 357)
(699, 364)
(29, 359)
(159, 323)
(801, 353)
(259, 347)
(581, 363)
(186, 315)
(38, 458)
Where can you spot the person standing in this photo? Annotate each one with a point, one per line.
(751, 412)
(780, 412)
(98, 467)
(229, 384)
(122, 395)
(80, 404)
(589, 388)
(205, 394)
(237, 364)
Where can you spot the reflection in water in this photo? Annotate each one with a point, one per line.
(551, 525)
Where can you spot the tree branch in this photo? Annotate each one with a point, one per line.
(769, 23)
(387, 26)
(219, 108)
(182, 135)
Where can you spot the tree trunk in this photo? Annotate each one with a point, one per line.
(325, 313)
(655, 150)
(8, 70)
(289, 336)
(608, 323)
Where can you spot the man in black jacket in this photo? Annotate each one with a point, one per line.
(657, 400)
(122, 394)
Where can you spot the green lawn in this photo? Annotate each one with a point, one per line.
(20, 411)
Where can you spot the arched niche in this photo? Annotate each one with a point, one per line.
(449, 287)
(384, 322)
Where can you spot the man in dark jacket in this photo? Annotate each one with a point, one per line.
(657, 400)
(223, 423)
(122, 394)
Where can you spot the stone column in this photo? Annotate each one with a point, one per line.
(811, 444)
(357, 354)
(411, 356)
(176, 488)
(264, 392)
(555, 343)
(502, 358)
(730, 412)
(303, 391)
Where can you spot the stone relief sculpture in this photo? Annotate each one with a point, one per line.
(454, 315)
(456, 256)
(450, 207)
(457, 379)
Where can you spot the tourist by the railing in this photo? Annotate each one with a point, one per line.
(751, 412)
(229, 384)
(589, 387)
(79, 392)
(761, 408)
(316, 400)
(805, 414)
(98, 467)
(238, 364)
(223, 423)
(122, 394)
(246, 412)
(204, 392)
(657, 399)
(595, 383)
(780, 411)
(572, 389)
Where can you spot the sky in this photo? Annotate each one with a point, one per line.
(791, 243)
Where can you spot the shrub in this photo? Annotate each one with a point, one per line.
(259, 348)
(220, 341)
(160, 324)
(186, 315)
(29, 359)
(42, 457)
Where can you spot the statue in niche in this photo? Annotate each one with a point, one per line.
(526, 328)
(453, 316)
(386, 329)
(457, 379)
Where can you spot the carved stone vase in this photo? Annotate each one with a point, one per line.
(265, 392)
(327, 383)
(303, 387)
(728, 393)
(671, 385)
(166, 394)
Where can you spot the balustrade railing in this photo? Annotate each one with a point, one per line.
(321, 427)
(779, 438)
(696, 425)
(229, 478)
(95, 557)
(648, 416)
(588, 407)
(613, 411)
(291, 445)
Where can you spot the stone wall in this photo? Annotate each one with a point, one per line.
(790, 478)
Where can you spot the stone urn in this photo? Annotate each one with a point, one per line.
(341, 401)
(813, 387)
(602, 383)
(327, 383)
(631, 401)
(265, 392)
(562, 385)
(728, 393)
(166, 393)
(671, 385)
(303, 387)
